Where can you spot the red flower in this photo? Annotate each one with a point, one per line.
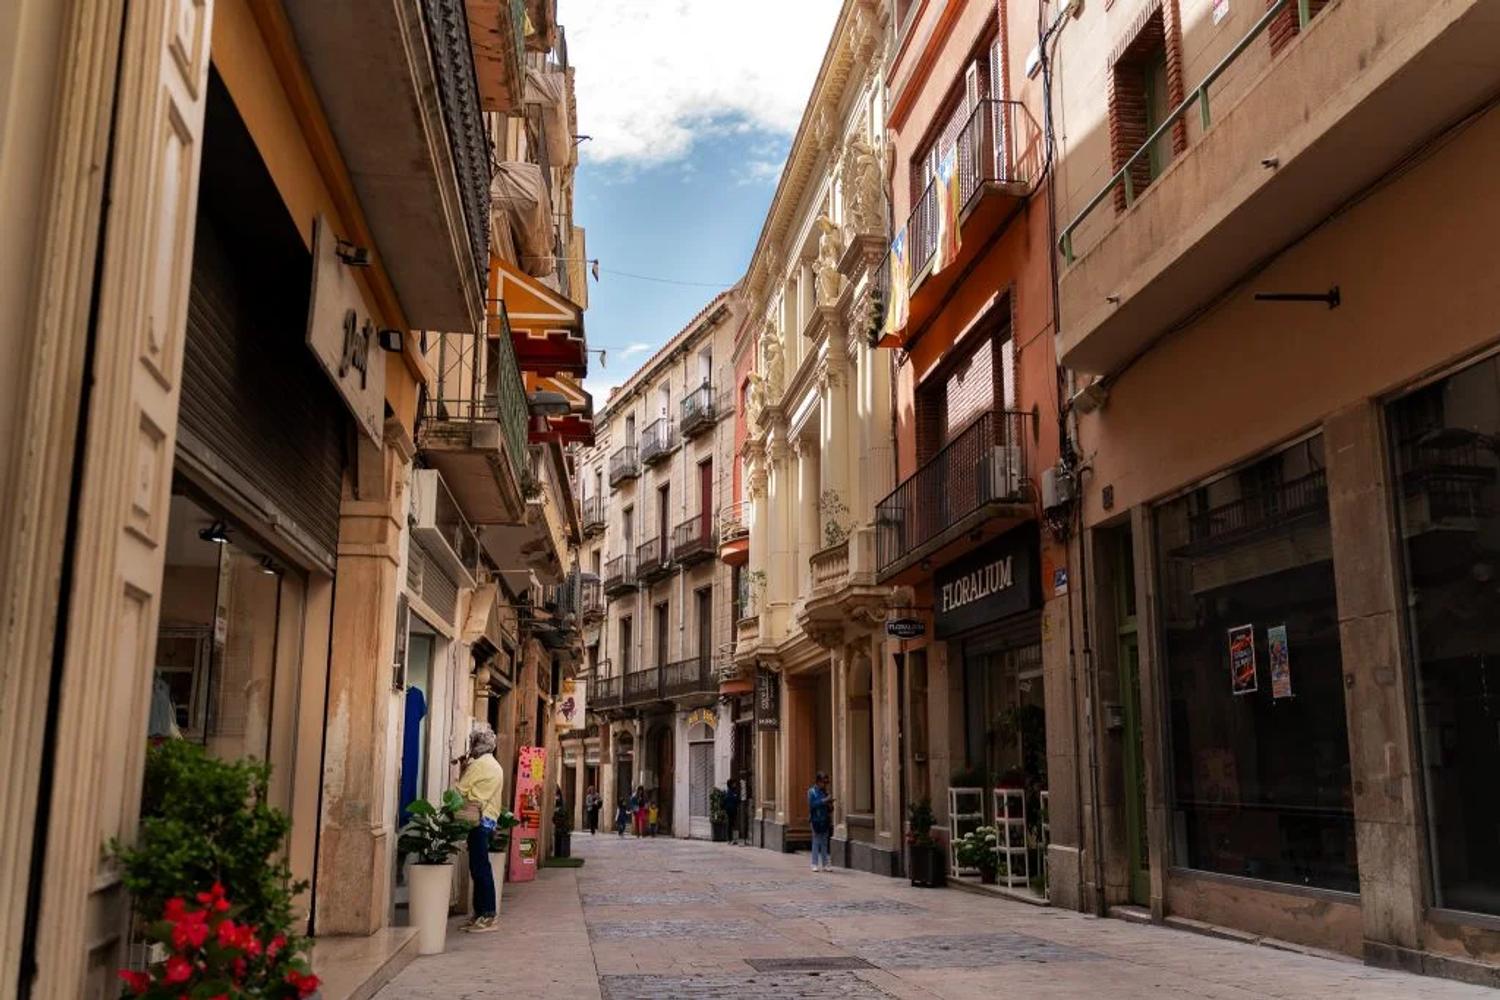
(176, 909)
(137, 982)
(179, 970)
(227, 933)
(304, 984)
(239, 970)
(277, 943)
(190, 932)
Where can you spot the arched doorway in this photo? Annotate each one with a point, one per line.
(661, 758)
(700, 735)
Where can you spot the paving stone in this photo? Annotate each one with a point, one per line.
(673, 929)
(767, 986)
(812, 964)
(646, 898)
(843, 907)
(966, 951)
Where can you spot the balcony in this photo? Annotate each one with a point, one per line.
(642, 687)
(976, 483)
(592, 516)
(830, 569)
(653, 561)
(1259, 513)
(997, 158)
(658, 440)
(473, 427)
(700, 411)
(746, 638)
(604, 692)
(591, 600)
(734, 533)
(497, 30)
(624, 465)
(1347, 98)
(693, 541)
(687, 679)
(619, 576)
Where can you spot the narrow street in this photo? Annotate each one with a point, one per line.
(668, 918)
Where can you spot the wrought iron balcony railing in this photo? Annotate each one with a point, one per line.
(699, 410)
(984, 465)
(604, 692)
(642, 686)
(619, 575)
(734, 521)
(694, 540)
(592, 515)
(458, 93)
(624, 464)
(652, 559)
(689, 677)
(658, 440)
(591, 599)
(1262, 510)
(478, 381)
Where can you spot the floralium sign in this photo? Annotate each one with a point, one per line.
(993, 581)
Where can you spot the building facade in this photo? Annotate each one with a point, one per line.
(658, 633)
(233, 521)
(1292, 616)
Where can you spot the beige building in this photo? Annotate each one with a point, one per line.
(1280, 314)
(659, 634)
(818, 455)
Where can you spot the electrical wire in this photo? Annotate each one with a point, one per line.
(594, 263)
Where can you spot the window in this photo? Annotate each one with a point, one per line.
(1254, 675)
(627, 529)
(627, 644)
(1143, 91)
(951, 400)
(630, 431)
(663, 633)
(705, 366)
(1445, 453)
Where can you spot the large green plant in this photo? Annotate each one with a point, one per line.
(206, 821)
(435, 831)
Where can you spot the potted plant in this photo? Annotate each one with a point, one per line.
(432, 837)
(925, 855)
(562, 830)
(980, 849)
(718, 815)
(500, 851)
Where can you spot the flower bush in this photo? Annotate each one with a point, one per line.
(979, 849)
(213, 955)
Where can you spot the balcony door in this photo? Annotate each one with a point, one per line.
(662, 619)
(705, 497)
(663, 520)
(705, 602)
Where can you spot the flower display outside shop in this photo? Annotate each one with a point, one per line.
(979, 849)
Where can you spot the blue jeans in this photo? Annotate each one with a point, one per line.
(820, 854)
(480, 873)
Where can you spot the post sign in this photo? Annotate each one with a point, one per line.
(767, 700)
(993, 581)
(343, 336)
(526, 837)
(571, 705)
(905, 628)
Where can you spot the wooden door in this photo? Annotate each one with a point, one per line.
(126, 476)
(705, 599)
(706, 497)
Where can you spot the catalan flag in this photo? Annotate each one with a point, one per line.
(946, 190)
(896, 291)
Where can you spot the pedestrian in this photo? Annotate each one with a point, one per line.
(622, 817)
(592, 803)
(732, 809)
(653, 814)
(638, 806)
(482, 785)
(820, 815)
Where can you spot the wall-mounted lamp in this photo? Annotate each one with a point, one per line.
(267, 567)
(392, 340)
(547, 403)
(218, 533)
(354, 256)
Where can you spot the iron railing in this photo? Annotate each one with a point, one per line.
(1125, 174)
(455, 528)
(624, 464)
(604, 692)
(591, 598)
(693, 540)
(1263, 509)
(458, 93)
(658, 440)
(476, 388)
(699, 410)
(689, 677)
(592, 514)
(985, 464)
(619, 574)
(734, 521)
(642, 686)
(651, 558)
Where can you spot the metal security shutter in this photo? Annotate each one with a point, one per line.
(700, 777)
(436, 588)
(258, 421)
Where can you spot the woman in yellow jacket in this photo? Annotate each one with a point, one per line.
(482, 785)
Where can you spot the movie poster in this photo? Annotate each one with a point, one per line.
(526, 838)
(1280, 654)
(1242, 679)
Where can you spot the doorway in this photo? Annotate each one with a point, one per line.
(662, 758)
(705, 603)
(705, 498)
(700, 780)
(1128, 654)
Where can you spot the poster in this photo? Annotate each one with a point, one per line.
(1242, 679)
(1280, 654)
(570, 705)
(526, 838)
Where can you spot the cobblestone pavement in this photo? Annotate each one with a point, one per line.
(673, 920)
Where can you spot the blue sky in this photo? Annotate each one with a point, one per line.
(691, 105)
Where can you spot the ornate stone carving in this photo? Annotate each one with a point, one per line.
(755, 402)
(830, 250)
(864, 188)
(828, 634)
(774, 360)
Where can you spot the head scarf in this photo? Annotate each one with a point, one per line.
(481, 740)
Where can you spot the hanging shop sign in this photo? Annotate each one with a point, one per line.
(905, 628)
(767, 700)
(992, 582)
(1242, 672)
(571, 705)
(343, 336)
(526, 838)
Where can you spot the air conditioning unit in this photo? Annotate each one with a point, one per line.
(440, 527)
(1005, 475)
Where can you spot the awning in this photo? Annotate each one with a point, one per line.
(548, 88)
(521, 201)
(546, 327)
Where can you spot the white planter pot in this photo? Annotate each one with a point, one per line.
(497, 868)
(428, 889)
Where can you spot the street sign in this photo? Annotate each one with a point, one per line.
(905, 628)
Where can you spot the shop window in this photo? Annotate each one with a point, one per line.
(1445, 450)
(1250, 644)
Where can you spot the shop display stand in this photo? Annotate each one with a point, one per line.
(1010, 824)
(965, 814)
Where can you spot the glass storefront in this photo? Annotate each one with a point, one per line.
(1445, 452)
(1250, 640)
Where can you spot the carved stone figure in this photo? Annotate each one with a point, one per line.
(755, 402)
(770, 346)
(830, 250)
(864, 186)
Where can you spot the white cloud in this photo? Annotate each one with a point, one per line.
(654, 75)
(640, 347)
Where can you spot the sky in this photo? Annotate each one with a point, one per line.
(691, 106)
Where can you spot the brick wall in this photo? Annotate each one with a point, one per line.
(1284, 26)
(1158, 30)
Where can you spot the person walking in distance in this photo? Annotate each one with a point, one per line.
(592, 803)
(732, 809)
(653, 816)
(820, 814)
(622, 816)
(638, 806)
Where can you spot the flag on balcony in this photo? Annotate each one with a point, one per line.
(948, 237)
(896, 291)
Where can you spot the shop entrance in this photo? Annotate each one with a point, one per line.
(700, 780)
(663, 774)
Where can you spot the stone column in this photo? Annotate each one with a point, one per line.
(889, 823)
(838, 668)
(836, 448)
(356, 850)
(781, 577)
(580, 784)
(809, 527)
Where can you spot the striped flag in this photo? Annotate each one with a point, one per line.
(896, 290)
(948, 237)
